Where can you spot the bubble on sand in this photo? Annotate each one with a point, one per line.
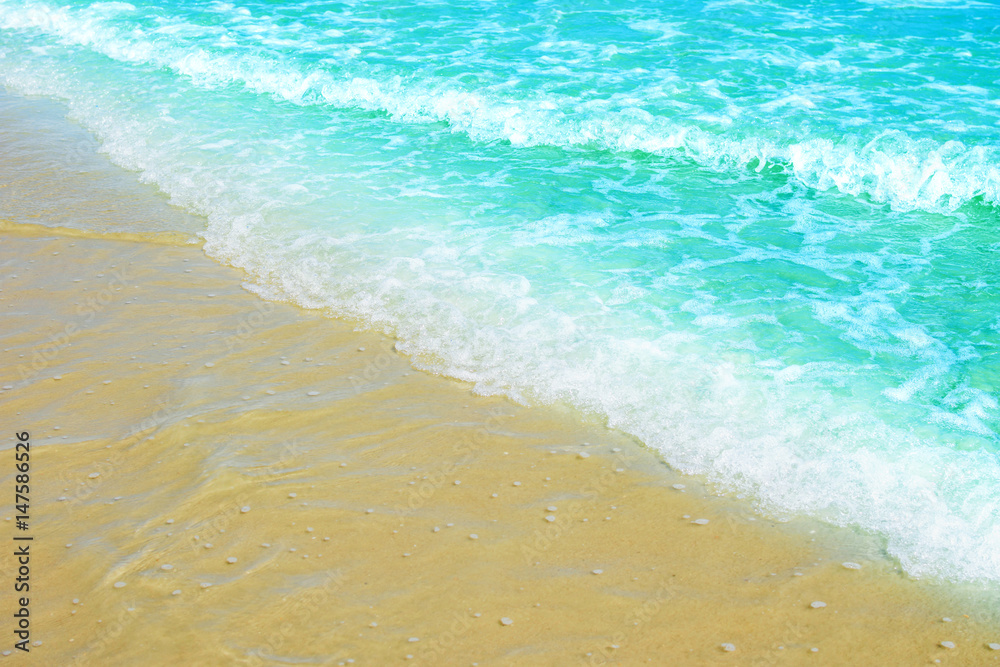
(205, 584)
(994, 647)
(552, 508)
(265, 544)
(312, 393)
(232, 559)
(166, 567)
(728, 647)
(852, 566)
(817, 604)
(94, 475)
(209, 364)
(413, 639)
(517, 484)
(597, 571)
(550, 518)
(293, 495)
(679, 486)
(583, 455)
(473, 536)
(700, 522)
(948, 644)
(506, 621)
(120, 584)
(177, 592)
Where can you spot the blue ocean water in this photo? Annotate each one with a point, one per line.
(761, 236)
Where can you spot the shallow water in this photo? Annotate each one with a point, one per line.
(760, 238)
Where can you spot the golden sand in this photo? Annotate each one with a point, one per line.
(220, 480)
(273, 487)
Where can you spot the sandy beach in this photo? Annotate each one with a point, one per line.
(218, 479)
(181, 422)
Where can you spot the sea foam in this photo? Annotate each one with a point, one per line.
(769, 304)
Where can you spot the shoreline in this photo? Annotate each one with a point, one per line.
(144, 461)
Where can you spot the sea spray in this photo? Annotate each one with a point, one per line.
(761, 239)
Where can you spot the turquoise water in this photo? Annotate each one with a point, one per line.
(760, 236)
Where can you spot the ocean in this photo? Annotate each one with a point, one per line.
(761, 237)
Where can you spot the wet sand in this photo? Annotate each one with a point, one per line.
(182, 422)
(217, 479)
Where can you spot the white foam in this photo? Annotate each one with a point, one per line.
(891, 168)
(791, 444)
